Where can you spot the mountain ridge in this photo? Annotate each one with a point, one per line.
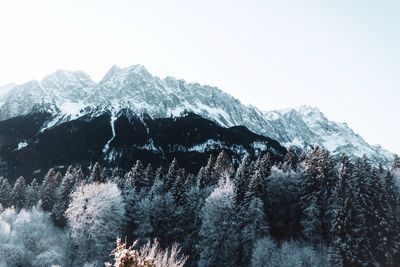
(72, 94)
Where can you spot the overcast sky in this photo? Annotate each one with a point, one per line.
(341, 56)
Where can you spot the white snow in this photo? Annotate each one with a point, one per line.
(107, 145)
(21, 145)
(4, 90)
(72, 108)
(259, 145)
(209, 144)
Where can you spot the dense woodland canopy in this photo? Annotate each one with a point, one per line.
(310, 209)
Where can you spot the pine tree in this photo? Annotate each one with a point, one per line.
(391, 199)
(205, 173)
(253, 226)
(32, 194)
(158, 176)
(140, 179)
(5, 192)
(363, 210)
(241, 180)
(62, 198)
(172, 174)
(255, 189)
(264, 166)
(318, 185)
(191, 181)
(130, 196)
(118, 179)
(291, 160)
(379, 223)
(49, 189)
(222, 168)
(19, 193)
(218, 236)
(79, 176)
(342, 228)
(396, 162)
(97, 174)
(149, 175)
(179, 190)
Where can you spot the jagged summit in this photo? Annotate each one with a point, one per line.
(72, 94)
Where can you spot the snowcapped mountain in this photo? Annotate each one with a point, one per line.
(306, 126)
(69, 95)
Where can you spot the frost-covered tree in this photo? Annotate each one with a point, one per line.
(222, 168)
(5, 192)
(191, 180)
(19, 193)
(343, 214)
(158, 175)
(28, 238)
(264, 166)
(291, 160)
(318, 184)
(290, 254)
(172, 173)
(148, 175)
(190, 221)
(205, 173)
(95, 217)
(255, 188)
(33, 194)
(139, 177)
(218, 243)
(379, 221)
(241, 180)
(179, 190)
(363, 210)
(392, 207)
(97, 174)
(396, 162)
(157, 216)
(62, 198)
(284, 213)
(49, 189)
(253, 226)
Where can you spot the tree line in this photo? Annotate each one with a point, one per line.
(311, 209)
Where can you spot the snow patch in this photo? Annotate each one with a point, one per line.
(209, 144)
(72, 108)
(107, 145)
(259, 145)
(21, 145)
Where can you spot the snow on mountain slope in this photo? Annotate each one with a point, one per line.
(73, 94)
(59, 92)
(4, 90)
(309, 126)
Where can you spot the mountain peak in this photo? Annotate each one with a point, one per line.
(308, 110)
(62, 76)
(118, 74)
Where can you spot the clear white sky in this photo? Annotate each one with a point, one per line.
(342, 56)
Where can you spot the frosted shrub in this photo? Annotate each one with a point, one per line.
(149, 255)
